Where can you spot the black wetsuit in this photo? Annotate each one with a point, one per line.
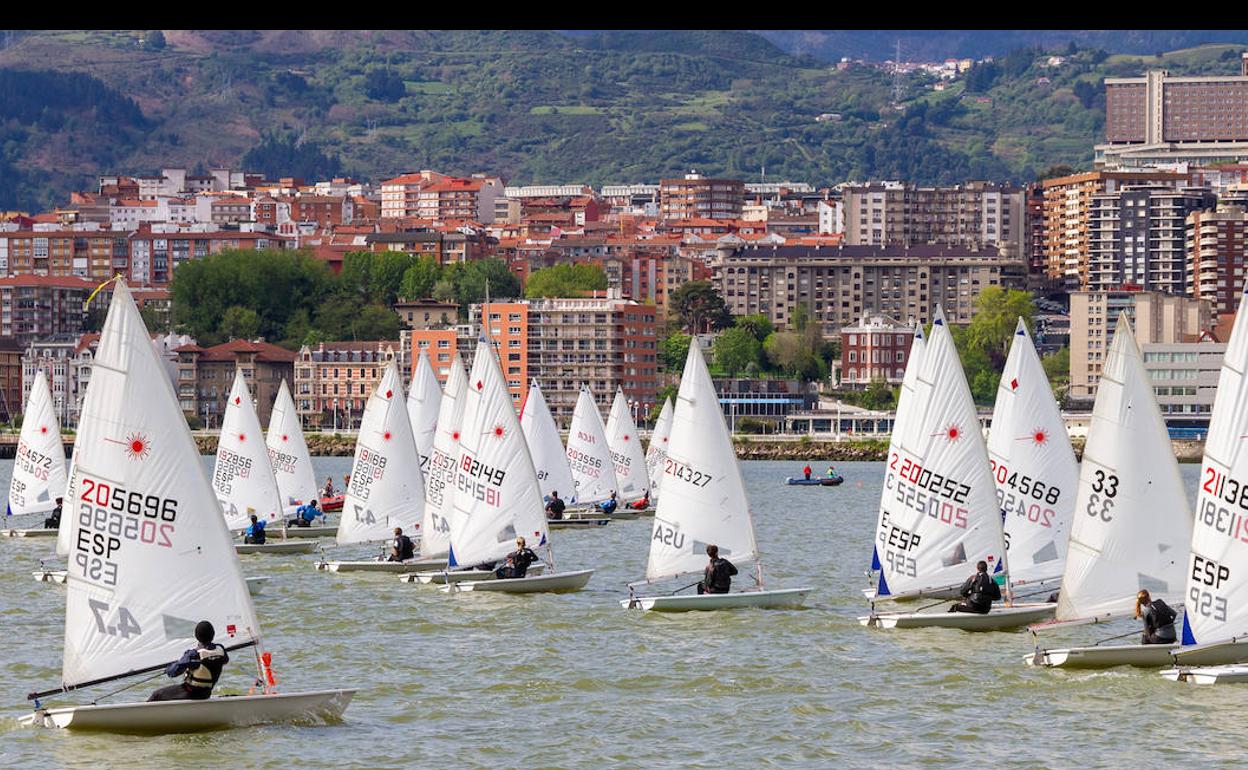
(1158, 623)
(403, 545)
(554, 509)
(717, 577)
(517, 564)
(978, 593)
(53, 521)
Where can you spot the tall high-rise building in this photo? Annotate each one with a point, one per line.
(1217, 253)
(696, 197)
(976, 215)
(1137, 237)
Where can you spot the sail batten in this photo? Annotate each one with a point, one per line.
(386, 488)
(704, 498)
(133, 598)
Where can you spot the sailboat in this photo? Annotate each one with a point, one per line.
(424, 401)
(656, 451)
(1034, 468)
(626, 454)
(39, 465)
(704, 502)
(435, 539)
(134, 598)
(938, 510)
(550, 459)
(243, 476)
(387, 488)
(1216, 618)
(498, 497)
(291, 464)
(589, 459)
(1134, 521)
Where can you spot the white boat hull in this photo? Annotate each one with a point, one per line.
(278, 547)
(530, 584)
(40, 532)
(296, 533)
(256, 584)
(416, 565)
(586, 523)
(1208, 674)
(1139, 655)
(51, 576)
(443, 576)
(952, 592)
(786, 597)
(194, 715)
(999, 619)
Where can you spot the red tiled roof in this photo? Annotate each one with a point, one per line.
(405, 179)
(61, 281)
(266, 351)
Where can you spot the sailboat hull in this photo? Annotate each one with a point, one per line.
(278, 547)
(1138, 655)
(256, 584)
(1208, 674)
(587, 523)
(998, 620)
(40, 532)
(556, 583)
(293, 533)
(787, 597)
(50, 576)
(417, 565)
(193, 716)
(442, 576)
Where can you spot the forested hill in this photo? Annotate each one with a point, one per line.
(533, 106)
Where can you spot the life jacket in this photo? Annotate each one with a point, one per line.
(403, 544)
(1162, 614)
(207, 671)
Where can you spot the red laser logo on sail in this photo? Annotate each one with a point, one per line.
(136, 444)
(498, 431)
(952, 433)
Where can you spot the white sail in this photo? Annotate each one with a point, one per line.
(938, 510)
(657, 449)
(387, 488)
(497, 494)
(435, 537)
(545, 447)
(589, 454)
(704, 499)
(1216, 599)
(1132, 521)
(151, 555)
(288, 452)
(424, 401)
(243, 477)
(39, 465)
(1033, 466)
(626, 454)
(65, 532)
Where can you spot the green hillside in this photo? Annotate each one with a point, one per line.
(535, 106)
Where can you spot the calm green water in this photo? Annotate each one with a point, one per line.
(573, 681)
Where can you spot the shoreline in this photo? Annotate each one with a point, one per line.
(747, 447)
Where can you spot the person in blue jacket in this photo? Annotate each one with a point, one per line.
(254, 534)
(608, 506)
(305, 515)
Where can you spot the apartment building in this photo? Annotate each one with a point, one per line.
(11, 401)
(400, 195)
(1161, 118)
(206, 375)
(975, 215)
(838, 285)
(506, 325)
(1137, 237)
(1184, 376)
(456, 198)
(696, 197)
(1155, 317)
(1067, 216)
(1217, 252)
(35, 307)
(333, 380)
(875, 348)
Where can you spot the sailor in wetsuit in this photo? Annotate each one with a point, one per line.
(517, 563)
(202, 665)
(978, 592)
(402, 549)
(718, 576)
(54, 521)
(1158, 618)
